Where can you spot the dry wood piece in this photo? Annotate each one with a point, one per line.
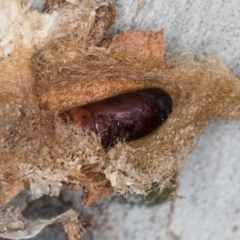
(143, 45)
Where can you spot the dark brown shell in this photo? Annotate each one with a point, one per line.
(127, 116)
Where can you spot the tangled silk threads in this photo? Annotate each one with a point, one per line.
(39, 82)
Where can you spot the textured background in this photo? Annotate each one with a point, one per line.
(209, 205)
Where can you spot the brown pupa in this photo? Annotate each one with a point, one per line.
(128, 116)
